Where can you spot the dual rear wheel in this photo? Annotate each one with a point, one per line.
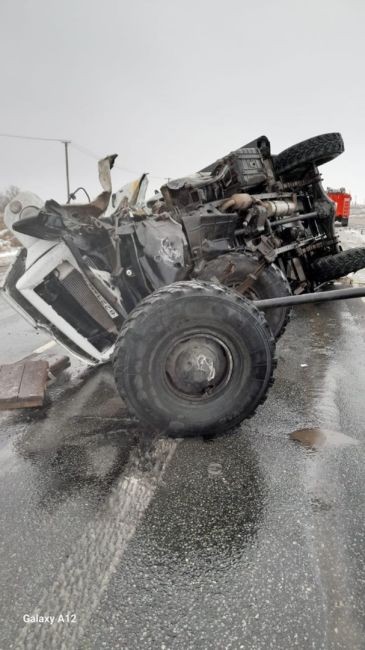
(234, 269)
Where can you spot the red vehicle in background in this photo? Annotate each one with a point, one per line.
(343, 201)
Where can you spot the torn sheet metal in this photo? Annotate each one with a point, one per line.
(132, 194)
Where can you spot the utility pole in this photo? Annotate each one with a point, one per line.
(66, 143)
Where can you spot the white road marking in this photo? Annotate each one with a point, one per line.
(44, 347)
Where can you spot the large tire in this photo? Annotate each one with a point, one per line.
(336, 266)
(232, 269)
(194, 358)
(317, 150)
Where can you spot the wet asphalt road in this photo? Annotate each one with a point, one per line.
(250, 541)
(17, 339)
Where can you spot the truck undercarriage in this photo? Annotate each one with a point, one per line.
(250, 228)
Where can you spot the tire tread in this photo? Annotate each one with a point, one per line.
(333, 267)
(158, 298)
(320, 148)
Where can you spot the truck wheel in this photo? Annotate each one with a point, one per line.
(336, 266)
(317, 150)
(194, 358)
(232, 269)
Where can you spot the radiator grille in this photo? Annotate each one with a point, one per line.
(75, 284)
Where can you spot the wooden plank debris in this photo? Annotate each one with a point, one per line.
(23, 384)
(56, 362)
(33, 385)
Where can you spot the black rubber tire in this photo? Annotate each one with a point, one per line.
(168, 316)
(317, 150)
(271, 283)
(344, 223)
(336, 266)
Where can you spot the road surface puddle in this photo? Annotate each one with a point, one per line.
(321, 438)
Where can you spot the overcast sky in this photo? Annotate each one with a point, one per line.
(173, 85)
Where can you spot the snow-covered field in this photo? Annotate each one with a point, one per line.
(357, 217)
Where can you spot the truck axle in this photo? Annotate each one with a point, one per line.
(307, 298)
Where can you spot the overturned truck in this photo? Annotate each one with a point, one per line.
(187, 292)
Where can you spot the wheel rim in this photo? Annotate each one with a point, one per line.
(198, 367)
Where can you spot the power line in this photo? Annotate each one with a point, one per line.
(95, 156)
(31, 137)
(42, 139)
(81, 149)
(85, 151)
(91, 154)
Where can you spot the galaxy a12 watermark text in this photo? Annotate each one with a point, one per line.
(46, 619)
